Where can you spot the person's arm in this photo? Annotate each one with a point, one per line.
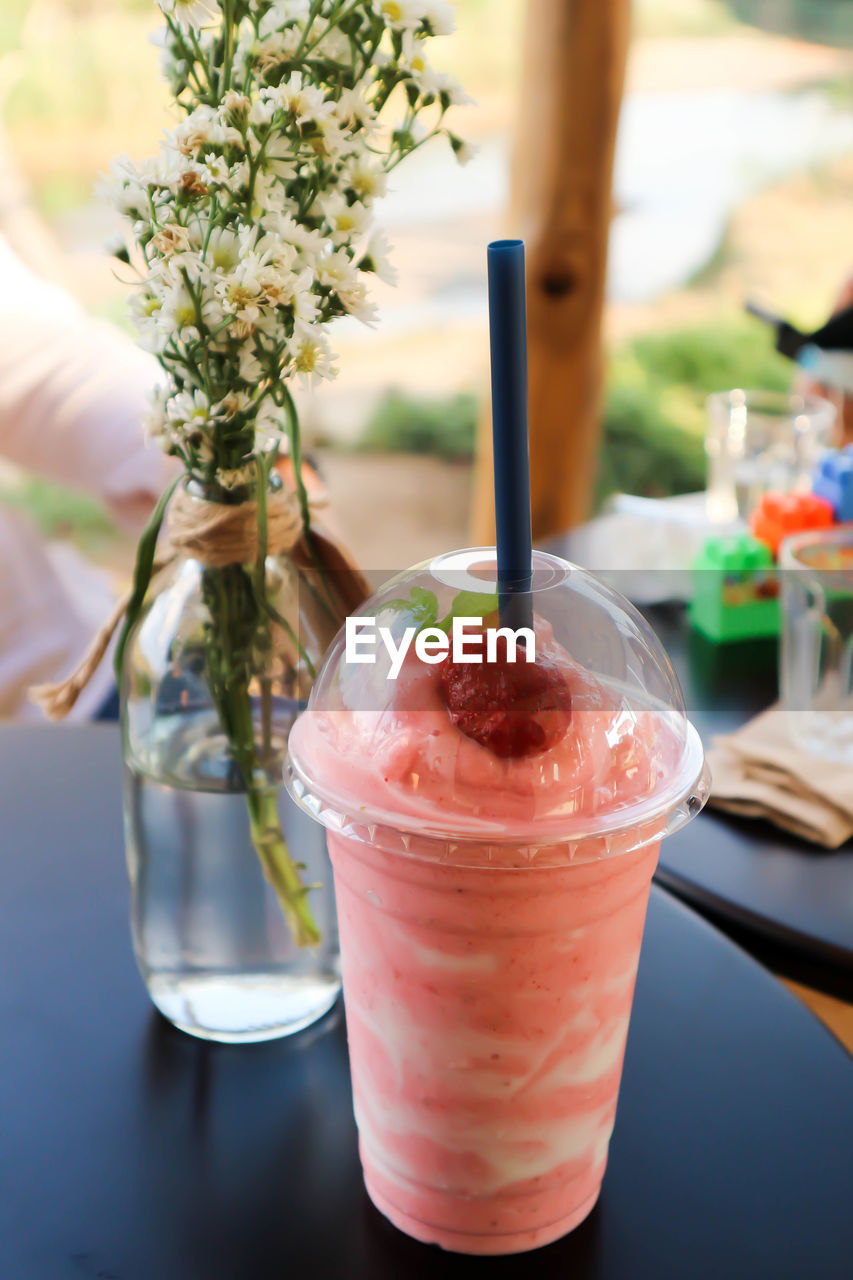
(73, 391)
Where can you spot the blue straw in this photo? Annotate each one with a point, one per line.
(508, 331)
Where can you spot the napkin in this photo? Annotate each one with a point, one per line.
(760, 772)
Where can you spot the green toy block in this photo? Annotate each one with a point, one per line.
(735, 590)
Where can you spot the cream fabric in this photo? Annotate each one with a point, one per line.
(72, 394)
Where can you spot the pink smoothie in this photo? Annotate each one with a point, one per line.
(491, 913)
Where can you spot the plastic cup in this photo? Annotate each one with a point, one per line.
(816, 653)
(491, 911)
(758, 441)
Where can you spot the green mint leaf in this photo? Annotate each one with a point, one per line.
(421, 608)
(469, 604)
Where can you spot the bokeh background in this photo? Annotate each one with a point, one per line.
(734, 178)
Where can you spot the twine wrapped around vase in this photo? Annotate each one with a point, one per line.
(217, 535)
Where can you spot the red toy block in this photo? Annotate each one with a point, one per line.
(778, 515)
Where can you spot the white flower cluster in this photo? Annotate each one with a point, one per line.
(255, 220)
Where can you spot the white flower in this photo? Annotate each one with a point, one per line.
(441, 17)
(271, 50)
(328, 140)
(176, 270)
(345, 220)
(454, 91)
(194, 14)
(271, 250)
(271, 269)
(128, 187)
(337, 272)
(310, 243)
(429, 81)
(262, 277)
(188, 410)
(277, 159)
(269, 426)
(309, 355)
(282, 12)
(179, 316)
(331, 43)
(401, 15)
(214, 171)
(250, 367)
(415, 59)
(269, 195)
(303, 101)
(235, 104)
(240, 294)
(154, 419)
(366, 178)
(235, 402)
(145, 308)
(173, 238)
(464, 151)
(202, 127)
(264, 107)
(116, 246)
(239, 179)
(298, 294)
(377, 259)
(254, 221)
(353, 108)
(223, 249)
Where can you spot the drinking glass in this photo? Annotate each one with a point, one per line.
(816, 669)
(761, 440)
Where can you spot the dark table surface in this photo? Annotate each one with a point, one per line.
(129, 1151)
(789, 903)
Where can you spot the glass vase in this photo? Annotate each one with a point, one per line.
(210, 689)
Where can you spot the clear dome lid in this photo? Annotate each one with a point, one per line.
(409, 730)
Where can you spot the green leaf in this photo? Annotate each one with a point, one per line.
(470, 604)
(421, 607)
(145, 553)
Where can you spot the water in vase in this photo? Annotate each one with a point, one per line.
(210, 939)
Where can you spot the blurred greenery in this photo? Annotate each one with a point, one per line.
(645, 450)
(657, 18)
(400, 424)
(78, 73)
(825, 21)
(87, 87)
(654, 415)
(81, 83)
(12, 15)
(58, 512)
(839, 92)
(735, 351)
(61, 192)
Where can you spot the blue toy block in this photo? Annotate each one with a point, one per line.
(833, 480)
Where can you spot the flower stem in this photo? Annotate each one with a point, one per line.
(279, 868)
(237, 625)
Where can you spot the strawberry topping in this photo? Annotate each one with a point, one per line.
(514, 708)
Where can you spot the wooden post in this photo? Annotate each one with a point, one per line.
(562, 170)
